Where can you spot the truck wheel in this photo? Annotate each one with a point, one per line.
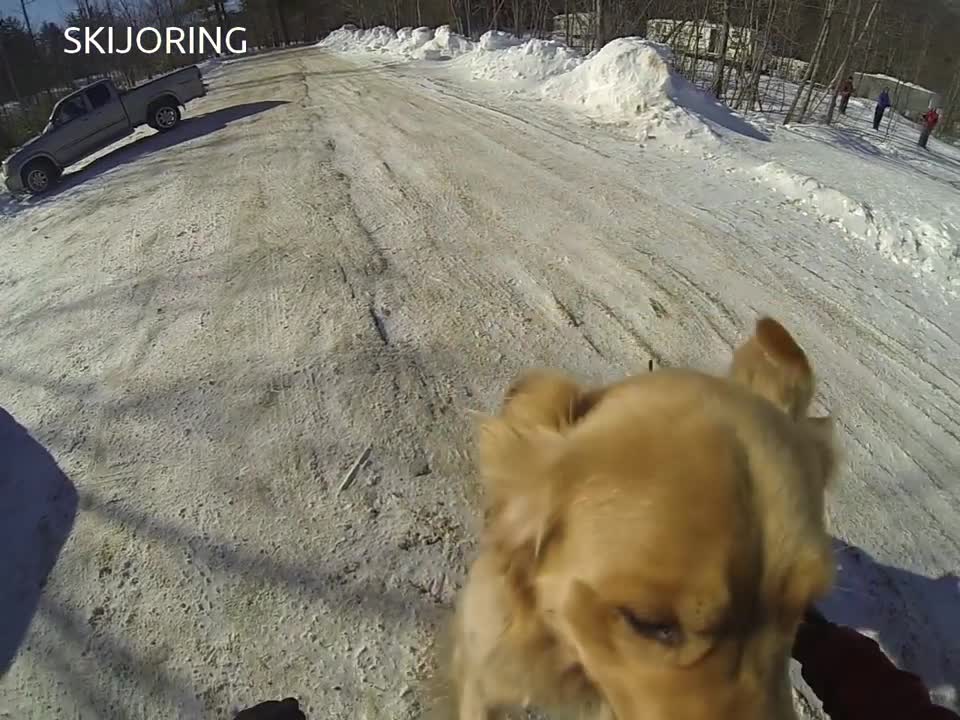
(39, 176)
(165, 115)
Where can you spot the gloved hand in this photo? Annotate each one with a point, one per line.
(855, 680)
(286, 709)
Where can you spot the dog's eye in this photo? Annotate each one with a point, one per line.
(669, 634)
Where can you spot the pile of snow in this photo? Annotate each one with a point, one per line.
(446, 43)
(930, 248)
(630, 79)
(506, 59)
(498, 40)
(408, 43)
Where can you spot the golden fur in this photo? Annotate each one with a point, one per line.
(648, 547)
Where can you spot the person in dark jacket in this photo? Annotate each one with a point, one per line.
(855, 680)
(930, 119)
(846, 90)
(883, 102)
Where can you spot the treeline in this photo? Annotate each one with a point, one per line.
(913, 40)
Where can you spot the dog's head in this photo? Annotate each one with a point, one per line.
(670, 528)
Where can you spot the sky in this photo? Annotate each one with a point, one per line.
(40, 11)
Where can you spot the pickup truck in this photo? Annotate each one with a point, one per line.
(96, 116)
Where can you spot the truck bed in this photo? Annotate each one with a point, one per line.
(184, 84)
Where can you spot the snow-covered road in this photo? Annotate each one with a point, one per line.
(333, 260)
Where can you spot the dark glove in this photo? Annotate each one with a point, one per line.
(854, 678)
(286, 709)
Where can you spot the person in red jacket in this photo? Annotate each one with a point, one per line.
(855, 680)
(846, 90)
(930, 119)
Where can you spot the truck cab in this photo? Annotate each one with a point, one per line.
(86, 121)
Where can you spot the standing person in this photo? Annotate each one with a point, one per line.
(930, 119)
(883, 102)
(846, 90)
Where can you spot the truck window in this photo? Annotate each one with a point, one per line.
(98, 95)
(70, 110)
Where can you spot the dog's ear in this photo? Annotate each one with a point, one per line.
(517, 452)
(516, 461)
(546, 398)
(774, 366)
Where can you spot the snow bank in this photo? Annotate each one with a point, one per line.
(421, 43)
(447, 43)
(930, 248)
(503, 58)
(497, 40)
(631, 78)
(629, 81)
(208, 66)
(8, 203)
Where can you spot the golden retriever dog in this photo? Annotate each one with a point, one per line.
(649, 547)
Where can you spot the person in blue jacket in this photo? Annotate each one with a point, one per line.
(883, 102)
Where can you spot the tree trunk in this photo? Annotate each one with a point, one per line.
(718, 83)
(806, 84)
(281, 15)
(951, 103)
(26, 21)
(746, 52)
(751, 91)
(924, 51)
(9, 70)
(600, 21)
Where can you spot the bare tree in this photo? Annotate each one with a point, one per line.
(4, 58)
(718, 82)
(805, 90)
(749, 92)
(852, 47)
(600, 20)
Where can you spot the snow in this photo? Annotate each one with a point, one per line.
(629, 83)
(924, 245)
(498, 40)
(421, 43)
(630, 80)
(514, 63)
(208, 66)
(880, 187)
(343, 255)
